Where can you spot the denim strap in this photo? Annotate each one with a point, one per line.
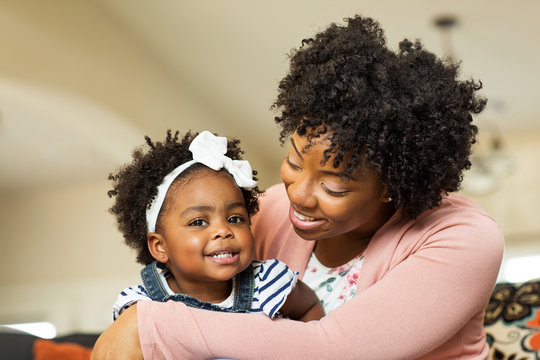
(152, 283)
(243, 290)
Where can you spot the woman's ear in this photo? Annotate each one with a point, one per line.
(157, 247)
(387, 198)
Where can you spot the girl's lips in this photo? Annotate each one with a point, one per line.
(303, 222)
(223, 256)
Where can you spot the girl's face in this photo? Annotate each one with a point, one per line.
(324, 205)
(206, 236)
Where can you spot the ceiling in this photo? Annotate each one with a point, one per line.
(81, 82)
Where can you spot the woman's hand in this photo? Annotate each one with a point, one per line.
(120, 340)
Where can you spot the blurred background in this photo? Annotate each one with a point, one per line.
(81, 83)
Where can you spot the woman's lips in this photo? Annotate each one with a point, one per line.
(302, 221)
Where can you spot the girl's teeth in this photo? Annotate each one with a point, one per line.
(304, 217)
(222, 255)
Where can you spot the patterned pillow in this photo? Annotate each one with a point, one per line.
(512, 321)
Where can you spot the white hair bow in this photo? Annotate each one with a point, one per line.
(208, 150)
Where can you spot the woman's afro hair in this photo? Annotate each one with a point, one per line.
(403, 112)
(135, 185)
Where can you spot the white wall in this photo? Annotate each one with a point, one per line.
(516, 203)
(62, 259)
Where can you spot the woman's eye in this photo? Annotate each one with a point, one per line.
(333, 192)
(291, 164)
(198, 222)
(236, 219)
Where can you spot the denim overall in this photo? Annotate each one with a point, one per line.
(243, 290)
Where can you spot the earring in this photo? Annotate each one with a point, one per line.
(389, 199)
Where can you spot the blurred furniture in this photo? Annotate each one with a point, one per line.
(17, 345)
(512, 321)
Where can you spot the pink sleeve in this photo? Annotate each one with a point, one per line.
(421, 303)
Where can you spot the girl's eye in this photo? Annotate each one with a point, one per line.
(291, 164)
(198, 222)
(332, 192)
(235, 219)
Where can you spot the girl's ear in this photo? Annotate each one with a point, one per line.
(157, 247)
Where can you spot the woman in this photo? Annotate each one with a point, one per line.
(366, 213)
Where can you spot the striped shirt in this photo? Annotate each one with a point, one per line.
(273, 281)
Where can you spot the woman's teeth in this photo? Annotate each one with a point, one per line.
(222, 255)
(304, 217)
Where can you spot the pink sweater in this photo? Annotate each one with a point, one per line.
(421, 294)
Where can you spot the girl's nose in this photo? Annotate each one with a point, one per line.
(221, 230)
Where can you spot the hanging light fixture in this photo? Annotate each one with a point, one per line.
(490, 161)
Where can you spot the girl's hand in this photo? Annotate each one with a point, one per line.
(121, 340)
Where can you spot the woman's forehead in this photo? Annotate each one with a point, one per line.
(321, 146)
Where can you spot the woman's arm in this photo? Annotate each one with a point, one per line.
(419, 305)
(302, 304)
(416, 307)
(121, 340)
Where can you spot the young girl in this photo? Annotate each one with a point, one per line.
(185, 208)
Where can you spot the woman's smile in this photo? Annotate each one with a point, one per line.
(302, 221)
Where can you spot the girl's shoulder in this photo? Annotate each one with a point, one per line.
(272, 270)
(273, 282)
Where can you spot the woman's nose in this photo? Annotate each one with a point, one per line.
(301, 193)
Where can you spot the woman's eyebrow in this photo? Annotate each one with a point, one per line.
(296, 149)
(342, 175)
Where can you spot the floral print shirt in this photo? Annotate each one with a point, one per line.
(333, 286)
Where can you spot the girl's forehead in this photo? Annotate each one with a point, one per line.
(204, 186)
(195, 177)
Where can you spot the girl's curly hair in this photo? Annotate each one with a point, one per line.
(405, 113)
(135, 186)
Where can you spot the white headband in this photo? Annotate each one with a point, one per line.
(209, 150)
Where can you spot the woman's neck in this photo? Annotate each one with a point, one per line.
(339, 250)
(336, 252)
(212, 292)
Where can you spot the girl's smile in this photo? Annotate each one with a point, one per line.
(224, 256)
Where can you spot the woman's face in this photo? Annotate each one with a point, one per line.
(324, 205)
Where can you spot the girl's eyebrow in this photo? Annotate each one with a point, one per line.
(235, 205)
(203, 208)
(197, 209)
